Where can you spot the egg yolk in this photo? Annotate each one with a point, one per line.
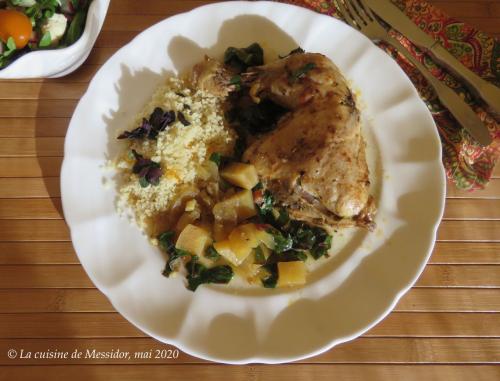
(16, 25)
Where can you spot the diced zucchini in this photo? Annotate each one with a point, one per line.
(194, 240)
(291, 273)
(240, 174)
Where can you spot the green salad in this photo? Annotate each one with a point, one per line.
(29, 25)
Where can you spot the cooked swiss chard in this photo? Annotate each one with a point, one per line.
(289, 233)
(241, 59)
(258, 118)
(166, 243)
(198, 274)
(271, 280)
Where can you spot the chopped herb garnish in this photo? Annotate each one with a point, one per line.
(211, 253)
(199, 274)
(301, 72)
(298, 50)
(158, 121)
(186, 107)
(242, 59)
(182, 118)
(149, 171)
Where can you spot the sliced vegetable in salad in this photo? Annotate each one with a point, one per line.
(28, 25)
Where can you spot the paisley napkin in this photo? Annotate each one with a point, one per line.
(467, 164)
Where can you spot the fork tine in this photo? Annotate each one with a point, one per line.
(355, 12)
(345, 14)
(367, 9)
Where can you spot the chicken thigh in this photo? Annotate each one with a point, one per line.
(314, 162)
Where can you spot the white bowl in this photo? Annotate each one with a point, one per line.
(55, 63)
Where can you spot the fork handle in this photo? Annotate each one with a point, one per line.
(478, 86)
(451, 100)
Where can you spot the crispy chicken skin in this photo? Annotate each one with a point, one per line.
(314, 161)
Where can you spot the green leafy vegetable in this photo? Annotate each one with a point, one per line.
(173, 257)
(45, 41)
(259, 257)
(236, 82)
(281, 242)
(267, 204)
(6, 56)
(216, 157)
(259, 118)
(199, 274)
(76, 27)
(166, 240)
(241, 59)
(166, 243)
(11, 44)
(287, 256)
(42, 10)
(271, 280)
(211, 253)
(322, 248)
(301, 72)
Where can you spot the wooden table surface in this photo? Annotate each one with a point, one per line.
(446, 328)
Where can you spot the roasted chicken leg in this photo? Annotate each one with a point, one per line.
(314, 162)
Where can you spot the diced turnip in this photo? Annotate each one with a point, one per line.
(291, 273)
(240, 174)
(193, 239)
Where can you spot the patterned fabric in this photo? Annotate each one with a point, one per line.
(467, 164)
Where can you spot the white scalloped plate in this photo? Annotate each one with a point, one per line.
(346, 296)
